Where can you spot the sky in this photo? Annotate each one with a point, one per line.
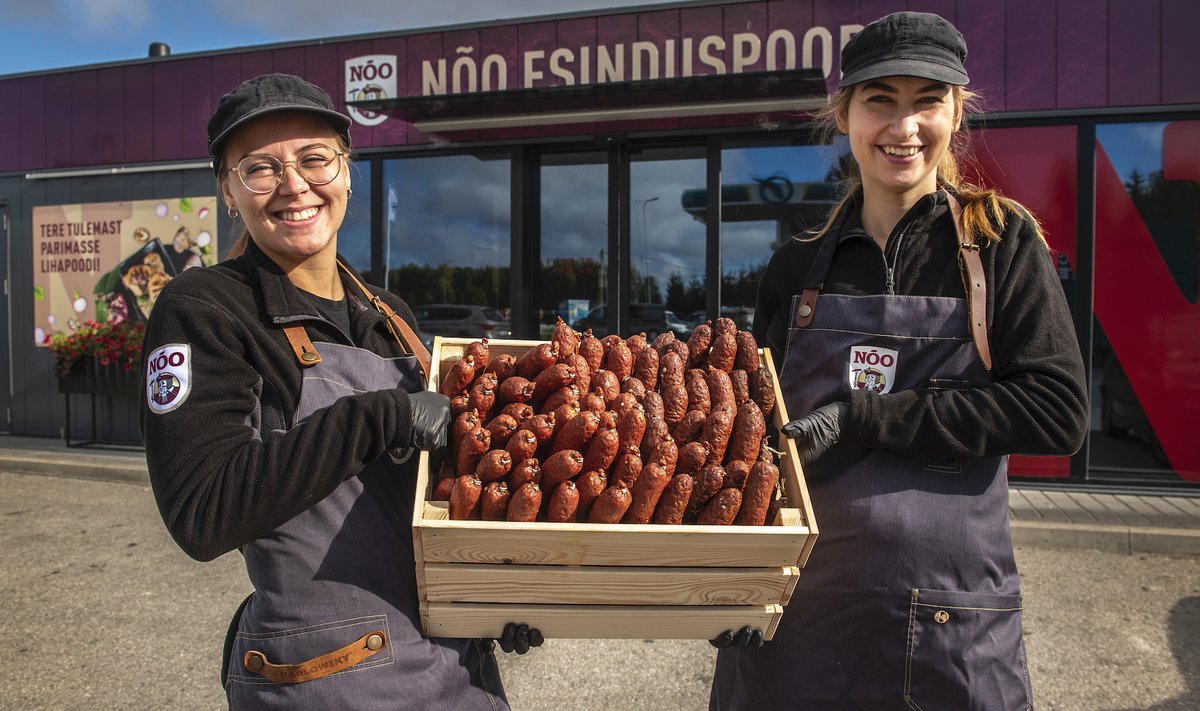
(37, 35)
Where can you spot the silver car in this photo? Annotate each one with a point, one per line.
(460, 321)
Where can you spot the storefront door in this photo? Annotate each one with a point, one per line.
(5, 335)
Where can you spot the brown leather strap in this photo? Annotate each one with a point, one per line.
(302, 346)
(367, 645)
(807, 307)
(973, 284)
(400, 329)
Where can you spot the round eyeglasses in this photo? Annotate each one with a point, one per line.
(261, 174)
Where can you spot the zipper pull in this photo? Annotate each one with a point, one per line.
(890, 284)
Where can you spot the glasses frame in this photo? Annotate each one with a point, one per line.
(283, 164)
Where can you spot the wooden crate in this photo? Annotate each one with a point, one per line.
(616, 581)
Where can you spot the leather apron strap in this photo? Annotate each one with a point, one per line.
(317, 667)
(974, 284)
(401, 331)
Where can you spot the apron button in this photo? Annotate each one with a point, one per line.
(309, 356)
(941, 617)
(254, 662)
(374, 642)
(805, 310)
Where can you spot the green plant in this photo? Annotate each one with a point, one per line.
(119, 343)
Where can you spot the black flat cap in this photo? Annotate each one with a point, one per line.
(265, 94)
(914, 44)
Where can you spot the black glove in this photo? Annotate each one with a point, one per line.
(817, 431)
(745, 637)
(431, 422)
(520, 637)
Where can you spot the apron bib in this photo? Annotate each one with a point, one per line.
(341, 575)
(910, 599)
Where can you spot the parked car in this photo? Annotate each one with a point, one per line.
(743, 316)
(651, 319)
(1121, 415)
(460, 321)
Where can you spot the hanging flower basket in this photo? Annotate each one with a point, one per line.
(99, 359)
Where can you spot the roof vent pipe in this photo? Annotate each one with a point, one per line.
(159, 49)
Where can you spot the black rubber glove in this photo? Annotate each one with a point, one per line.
(745, 637)
(817, 431)
(520, 638)
(431, 422)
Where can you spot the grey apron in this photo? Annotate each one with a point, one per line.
(343, 571)
(910, 599)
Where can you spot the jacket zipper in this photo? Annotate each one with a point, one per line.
(890, 268)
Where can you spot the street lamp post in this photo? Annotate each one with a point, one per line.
(646, 247)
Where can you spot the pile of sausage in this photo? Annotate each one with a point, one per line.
(613, 430)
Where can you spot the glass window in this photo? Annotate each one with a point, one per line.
(447, 238)
(667, 240)
(768, 193)
(572, 273)
(354, 238)
(1146, 274)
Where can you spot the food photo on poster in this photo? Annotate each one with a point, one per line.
(108, 262)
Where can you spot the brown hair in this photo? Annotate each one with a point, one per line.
(243, 240)
(984, 209)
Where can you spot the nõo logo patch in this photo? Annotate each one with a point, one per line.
(168, 377)
(872, 368)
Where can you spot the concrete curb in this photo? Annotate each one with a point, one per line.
(127, 470)
(1129, 540)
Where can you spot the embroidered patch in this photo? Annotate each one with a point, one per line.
(168, 377)
(872, 368)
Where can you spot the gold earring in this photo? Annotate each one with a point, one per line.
(349, 193)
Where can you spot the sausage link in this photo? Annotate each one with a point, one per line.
(739, 382)
(645, 368)
(519, 411)
(464, 498)
(665, 453)
(670, 370)
(592, 350)
(561, 466)
(720, 390)
(590, 485)
(709, 480)
(736, 472)
(493, 505)
(722, 508)
(608, 384)
(525, 470)
(577, 432)
(441, 491)
(633, 386)
(758, 493)
(627, 469)
(516, 389)
(696, 384)
(631, 426)
(602, 449)
(501, 428)
(482, 395)
(749, 429)
(470, 450)
(522, 445)
(493, 465)
(646, 492)
(674, 499)
(698, 344)
(611, 505)
(762, 390)
(692, 457)
(565, 337)
(480, 351)
(675, 403)
(717, 430)
(537, 359)
(723, 352)
(502, 366)
(564, 503)
(747, 352)
(525, 503)
(459, 377)
(619, 359)
(725, 326)
(653, 403)
(690, 427)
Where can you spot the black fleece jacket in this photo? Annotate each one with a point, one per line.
(226, 465)
(1036, 402)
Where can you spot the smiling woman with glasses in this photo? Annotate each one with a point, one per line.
(285, 406)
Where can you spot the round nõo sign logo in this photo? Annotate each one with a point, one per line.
(168, 377)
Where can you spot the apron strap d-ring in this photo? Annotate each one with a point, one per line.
(367, 645)
(302, 345)
(971, 267)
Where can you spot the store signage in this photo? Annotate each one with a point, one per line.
(108, 262)
(368, 78)
(468, 71)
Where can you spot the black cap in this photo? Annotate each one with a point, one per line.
(265, 94)
(914, 44)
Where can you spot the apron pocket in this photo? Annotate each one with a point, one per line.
(965, 652)
(309, 653)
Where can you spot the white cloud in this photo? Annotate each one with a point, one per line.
(88, 16)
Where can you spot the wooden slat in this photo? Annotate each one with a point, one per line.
(605, 585)
(469, 619)
(543, 543)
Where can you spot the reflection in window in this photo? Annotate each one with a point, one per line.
(1148, 241)
(354, 237)
(447, 231)
(572, 276)
(667, 241)
(768, 194)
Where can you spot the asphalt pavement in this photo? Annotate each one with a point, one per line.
(103, 611)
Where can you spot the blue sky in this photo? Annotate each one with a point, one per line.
(52, 34)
